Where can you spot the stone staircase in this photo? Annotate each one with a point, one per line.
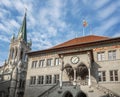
(56, 90)
(106, 91)
(96, 90)
(49, 90)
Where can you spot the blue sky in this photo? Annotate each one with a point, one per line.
(50, 22)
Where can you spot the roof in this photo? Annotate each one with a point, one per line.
(81, 40)
(89, 40)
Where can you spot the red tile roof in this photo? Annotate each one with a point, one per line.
(81, 40)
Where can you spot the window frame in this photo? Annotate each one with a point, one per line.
(34, 64)
(41, 63)
(57, 61)
(49, 62)
(113, 76)
(112, 55)
(56, 78)
(102, 76)
(32, 80)
(40, 80)
(48, 79)
(101, 56)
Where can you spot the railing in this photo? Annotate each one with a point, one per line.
(83, 82)
(108, 92)
(49, 90)
(67, 83)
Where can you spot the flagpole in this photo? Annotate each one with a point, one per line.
(83, 32)
(84, 25)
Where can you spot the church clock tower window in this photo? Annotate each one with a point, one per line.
(15, 52)
(12, 53)
(21, 54)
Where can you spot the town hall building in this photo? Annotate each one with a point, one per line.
(87, 66)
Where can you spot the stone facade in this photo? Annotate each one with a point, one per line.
(89, 69)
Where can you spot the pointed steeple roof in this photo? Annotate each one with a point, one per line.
(23, 30)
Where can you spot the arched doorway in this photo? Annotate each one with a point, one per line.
(68, 94)
(82, 71)
(81, 94)
(69, 71)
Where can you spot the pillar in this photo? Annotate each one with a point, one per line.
(89, 80)
(61, 70)
(74, 82)
(74, 74)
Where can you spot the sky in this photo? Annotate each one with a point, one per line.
(51, 22)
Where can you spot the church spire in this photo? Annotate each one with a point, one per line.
(23, 30)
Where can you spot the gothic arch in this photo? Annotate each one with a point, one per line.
(67, 94)
(12, 53)
(15, 53)
(69, 70)
(81, 94)
(82, 70)
(21, 54)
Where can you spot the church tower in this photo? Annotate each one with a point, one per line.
(19, 45)
(17, 60)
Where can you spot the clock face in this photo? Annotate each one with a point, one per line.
(75, 60)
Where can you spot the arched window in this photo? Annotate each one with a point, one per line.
(82, 71)
(12, 53)
(21, 54)
(15, 52)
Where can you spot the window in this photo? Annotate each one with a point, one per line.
(22, 83)
(41, 63)
(56, 78)
(33, 80)
(114, 75)
(102, 76)
(112, 55)
(101, 56)
(49, 62)
(40, 79)
(12, 53)
(48, 79)
(34, 64)
(57, 61)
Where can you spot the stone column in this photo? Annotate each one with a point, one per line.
(89, 80)
(74, 82)
(74, 74)
(61, 73)
(89, 73)
(61, 70)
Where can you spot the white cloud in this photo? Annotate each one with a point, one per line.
(6, 3)
(106, 25)
(106, 12)
(14, 23)
(100, 3)
(116, 34)
(3, 28)
(4, 38)
(1, 63)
